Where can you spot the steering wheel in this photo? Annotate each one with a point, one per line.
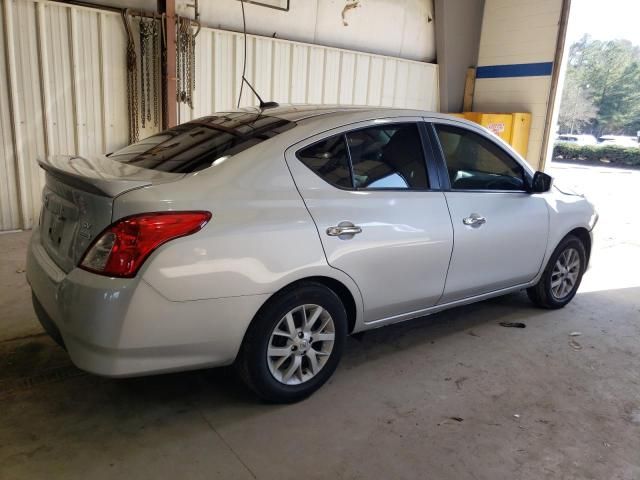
(502, 183)
(496, 184)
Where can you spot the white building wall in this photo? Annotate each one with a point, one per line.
(397, 28)
(518, 37)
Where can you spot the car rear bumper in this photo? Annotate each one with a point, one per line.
(123, 327)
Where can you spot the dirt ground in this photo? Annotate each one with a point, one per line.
(451, 396)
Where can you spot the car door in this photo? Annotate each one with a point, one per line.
(500, 230)
(379, 212)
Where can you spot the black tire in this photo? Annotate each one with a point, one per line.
(252, 361)
(541, 294)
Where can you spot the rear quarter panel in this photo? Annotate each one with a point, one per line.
(260, 237)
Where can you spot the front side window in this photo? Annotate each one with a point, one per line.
(476, 163)
(380, 157)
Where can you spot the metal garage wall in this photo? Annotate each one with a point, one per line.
(66, 72)
(292, 72)
(65, 69)
(9, 205)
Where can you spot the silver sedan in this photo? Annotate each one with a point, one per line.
(264, 238)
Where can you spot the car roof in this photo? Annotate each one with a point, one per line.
(312, 120)
(307, 112)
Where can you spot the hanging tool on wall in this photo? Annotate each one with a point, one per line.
(146, 95)
(150, 70)
(132, 79)
(142, 91)
(186, 61)
(168, 66)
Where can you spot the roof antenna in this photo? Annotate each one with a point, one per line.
(263, 104)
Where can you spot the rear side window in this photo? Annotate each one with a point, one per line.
(197, 144)
(380, 157)
(388, 156)
(329, 159)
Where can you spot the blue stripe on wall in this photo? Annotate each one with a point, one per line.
(515, 70)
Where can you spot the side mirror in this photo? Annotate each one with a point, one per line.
(541, 182)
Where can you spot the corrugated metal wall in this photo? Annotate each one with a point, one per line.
(9, 205)
(65, 69)
(292, 72)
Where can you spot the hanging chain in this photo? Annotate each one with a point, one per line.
(179, 62)
(156, 71)
(132, 93)
(149, 39)
(152, 36)
(147, 71)
(132, 81)
(182, 95)
(186, 62)
(143, 71)
(139, 93)
(192, 60)
(163, 80)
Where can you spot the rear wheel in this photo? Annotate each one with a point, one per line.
(294, 344)
(562, 275)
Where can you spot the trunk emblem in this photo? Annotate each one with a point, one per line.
(85, 230)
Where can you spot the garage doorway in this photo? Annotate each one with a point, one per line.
(593, 142)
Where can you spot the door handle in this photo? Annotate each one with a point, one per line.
(474, 220)
(343, 228)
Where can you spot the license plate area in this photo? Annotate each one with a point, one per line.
(58, 227)
(69, 221)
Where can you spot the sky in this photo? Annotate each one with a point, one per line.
(605, 20)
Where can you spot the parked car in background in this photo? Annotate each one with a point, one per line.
(264, 238)
(580, 140)
(618, 140)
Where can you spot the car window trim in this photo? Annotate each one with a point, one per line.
(438, 155)
(429, 158)
(442, 164)
(434, 186)
(349, 161)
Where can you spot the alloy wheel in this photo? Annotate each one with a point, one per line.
(300, 344)
(565, 273)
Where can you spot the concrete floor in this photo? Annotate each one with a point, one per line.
(454, 395)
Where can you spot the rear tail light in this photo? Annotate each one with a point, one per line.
(122, 248)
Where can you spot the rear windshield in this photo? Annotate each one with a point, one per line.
(197, 144)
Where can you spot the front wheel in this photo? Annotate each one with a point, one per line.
(562, 276)
(294, 344)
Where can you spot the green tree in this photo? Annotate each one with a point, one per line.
(604, 75)
(577, 109)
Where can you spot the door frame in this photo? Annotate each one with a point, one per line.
(315, 181)
(443, 171)
(497, 141)
(429, 150)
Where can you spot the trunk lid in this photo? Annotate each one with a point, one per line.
(77, 201)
